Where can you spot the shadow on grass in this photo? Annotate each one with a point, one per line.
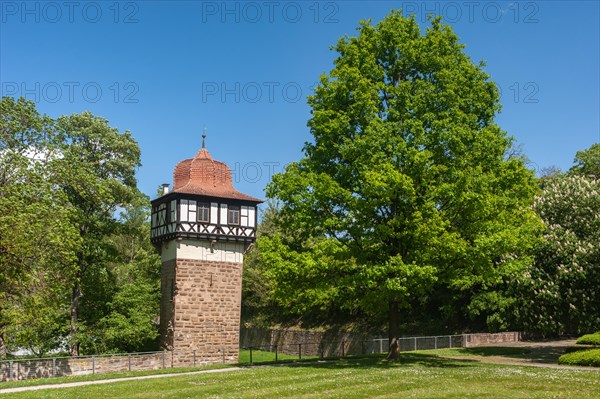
(536, 354)
(494, 351)
(379, 361)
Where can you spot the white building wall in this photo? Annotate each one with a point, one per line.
(201, 250)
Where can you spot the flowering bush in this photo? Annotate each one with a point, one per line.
(560, 291)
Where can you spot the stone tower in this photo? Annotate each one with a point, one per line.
(202, 228)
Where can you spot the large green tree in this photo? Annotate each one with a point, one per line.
(37, 239)
(67, 261)
(97, 168)
(407, 183)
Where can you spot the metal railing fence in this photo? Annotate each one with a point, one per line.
(323, 349)
(22, 369)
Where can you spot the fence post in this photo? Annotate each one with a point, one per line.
(18, 370)
(250, 356)
(415, 343)
(435, 342)
(299, 351)
(93, 364)
(129, 361)
(194, 354)
(223, 352)
(450, 341)
(343, 348)
(53, 367)
(275, 353)
(163, 359)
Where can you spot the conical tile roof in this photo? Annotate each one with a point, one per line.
(202, 175)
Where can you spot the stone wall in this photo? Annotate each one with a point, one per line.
(482, 339)
(332, 343)
(206, 307)
(310, 342)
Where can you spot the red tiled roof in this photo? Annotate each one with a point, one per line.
(202, 175)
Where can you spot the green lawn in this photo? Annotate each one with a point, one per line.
(417, 375)
(258, 357)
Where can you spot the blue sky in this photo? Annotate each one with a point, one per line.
(166, 69)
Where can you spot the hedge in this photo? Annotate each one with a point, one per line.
(590, 357)
(589, 339)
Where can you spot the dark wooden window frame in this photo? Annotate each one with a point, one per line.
(233, 215)
(203, 209)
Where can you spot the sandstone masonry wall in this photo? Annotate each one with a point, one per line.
(206, 306)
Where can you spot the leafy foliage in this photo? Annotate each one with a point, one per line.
(589, 339)
(560, 293)
(64, 266)
(406, 187)
(37, 240)
(587, 162)
(589, 357)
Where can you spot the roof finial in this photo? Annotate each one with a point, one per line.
(203, 138)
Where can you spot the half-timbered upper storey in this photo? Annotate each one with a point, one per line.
(204, 204)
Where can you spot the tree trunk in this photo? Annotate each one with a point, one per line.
(3, 350)
(74, 344)
(394, 331)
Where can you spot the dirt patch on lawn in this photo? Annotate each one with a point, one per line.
(524, 353)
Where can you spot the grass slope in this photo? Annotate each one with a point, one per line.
(417, 375)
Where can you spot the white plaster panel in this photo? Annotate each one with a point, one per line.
(223, 213)
(251, 216)
(183, 210)
(214, 209)
(201, 250)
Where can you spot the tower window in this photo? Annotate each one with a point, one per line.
(233, 215)
(203, 212)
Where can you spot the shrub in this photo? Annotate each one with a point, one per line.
(590, 357)
(589, 339)
(575, 348)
